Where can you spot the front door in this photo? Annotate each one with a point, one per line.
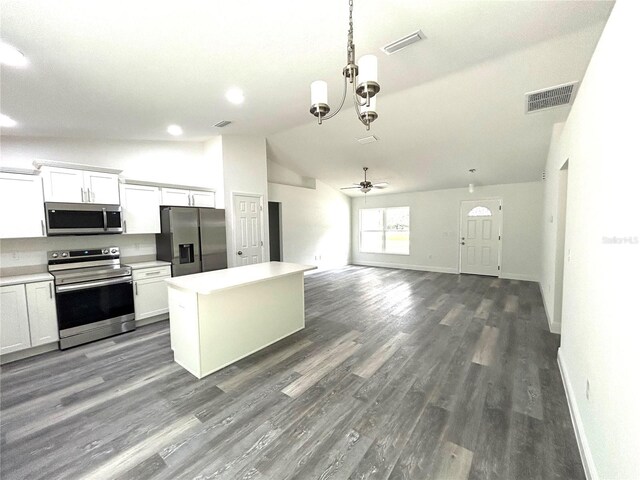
(248, 229)
(480, 236)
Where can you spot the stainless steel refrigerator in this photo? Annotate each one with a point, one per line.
(193, 239)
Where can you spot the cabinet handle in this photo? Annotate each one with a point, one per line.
(190, 200)
(93, 195)
(42, 226)
(82, 194)
(50, 291)
(136, 284)
(124, 224)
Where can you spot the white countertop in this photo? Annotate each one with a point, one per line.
(151, 264)
(30, 278)
(209, 282)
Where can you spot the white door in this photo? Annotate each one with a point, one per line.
(43, 321)
(25, 193)
(102, 187)
(176, 197)
(202, 199)
(248, 229)
(141, 208)
(63, 185)
(480, 236)
(14, 319)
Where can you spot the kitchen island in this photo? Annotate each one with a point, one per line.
(219, 317)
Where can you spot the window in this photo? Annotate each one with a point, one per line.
(384, 230)
(479, 212)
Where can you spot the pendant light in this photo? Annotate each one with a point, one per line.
(362, 76)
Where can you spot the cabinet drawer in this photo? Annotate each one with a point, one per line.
(152, 273)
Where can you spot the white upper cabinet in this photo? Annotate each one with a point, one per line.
(43, 320)
(69, 185)
(21, 206)
(203, 199)
(102, 187)
(141, 208)
(176, 197)
(188, 198)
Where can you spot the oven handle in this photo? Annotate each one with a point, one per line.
(99, 283)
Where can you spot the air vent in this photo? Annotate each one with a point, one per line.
(223, 123)
(369, 139)
(403, 42)
(550, 97)
(544, 175)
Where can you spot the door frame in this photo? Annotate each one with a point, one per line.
(233, 223)
(499, 231)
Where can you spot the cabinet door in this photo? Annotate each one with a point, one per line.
(203, 199)
(141, 208)
(14, 319)
(21, 206)
(102, 187)
(176, 197)
(43, 320)
(150, 297)
(63, 185)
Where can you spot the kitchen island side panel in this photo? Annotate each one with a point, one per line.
(237, 322)
(184, 330)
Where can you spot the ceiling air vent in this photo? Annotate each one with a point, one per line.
(222, 123)
(403, 42)
(550, 97)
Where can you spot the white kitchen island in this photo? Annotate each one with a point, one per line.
(219, 317)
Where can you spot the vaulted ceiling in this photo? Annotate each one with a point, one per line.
(126, 69)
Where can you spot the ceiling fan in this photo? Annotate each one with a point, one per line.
(366, 186)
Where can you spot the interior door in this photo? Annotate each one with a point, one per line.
(480, 236)
(248, 229)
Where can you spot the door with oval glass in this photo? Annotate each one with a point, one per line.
(480, 236)
(248, 229)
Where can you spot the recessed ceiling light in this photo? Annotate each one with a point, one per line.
(6, 121)
(12, 56)
(235, 95)
(175, 130)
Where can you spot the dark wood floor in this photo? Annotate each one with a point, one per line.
(399, 374)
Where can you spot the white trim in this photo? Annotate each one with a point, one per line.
(553, 327)
(578, 427)
(403, 266)
(518, 276)
(145, 183)
(28, 352)
(260, 197)
(74, 166)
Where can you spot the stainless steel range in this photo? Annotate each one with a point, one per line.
(94, 294)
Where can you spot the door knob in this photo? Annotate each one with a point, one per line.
(461, 243)
(239, 252)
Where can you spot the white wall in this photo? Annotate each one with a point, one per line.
(176, 162)
(600, 320)
(435, 228)
(278, 174)
(315, 224)
(245, 171)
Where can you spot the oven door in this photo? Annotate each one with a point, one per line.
(89, 305)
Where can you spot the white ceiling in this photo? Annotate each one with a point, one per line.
(127, 69)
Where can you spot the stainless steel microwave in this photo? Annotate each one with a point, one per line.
(82, 218)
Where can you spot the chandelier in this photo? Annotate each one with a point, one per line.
(362, 76)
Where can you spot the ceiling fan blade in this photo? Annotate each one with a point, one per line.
(347, 188)
(381, 184)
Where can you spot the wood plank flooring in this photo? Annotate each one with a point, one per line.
(398, 375)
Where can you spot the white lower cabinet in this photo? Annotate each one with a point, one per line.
(43, 321)
(27, 316)
(150, 292)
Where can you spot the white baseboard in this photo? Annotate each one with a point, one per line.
(583, 445)
(29, 352)
(553, 326)
(518, 276)
(423, 268)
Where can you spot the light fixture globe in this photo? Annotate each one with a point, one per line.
(363, 78)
